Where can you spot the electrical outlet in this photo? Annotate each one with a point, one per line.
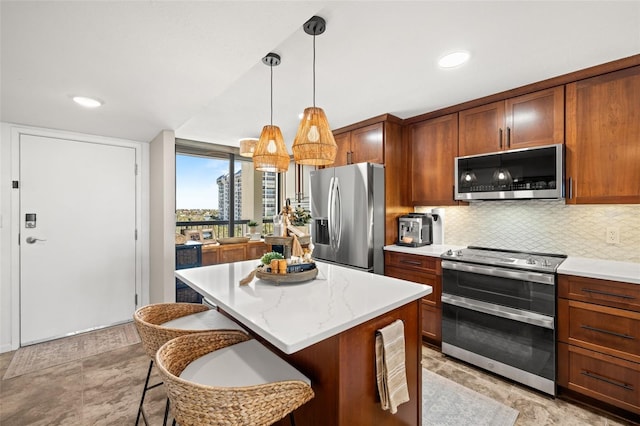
(612, 235)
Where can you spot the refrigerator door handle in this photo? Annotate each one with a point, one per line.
(330, 212)
(338, 214)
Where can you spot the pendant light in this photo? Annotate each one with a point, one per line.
(248, 147)
(314, 143)
(271, 153)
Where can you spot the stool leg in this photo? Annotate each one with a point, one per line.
(292, 419)
(166, 413)
(144, 392)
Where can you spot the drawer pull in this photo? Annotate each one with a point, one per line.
(604, 379)
(613, 333)
(604, 293)
(411, 262)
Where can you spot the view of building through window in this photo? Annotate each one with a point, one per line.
(206, 191)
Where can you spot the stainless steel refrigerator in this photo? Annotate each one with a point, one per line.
(347, 211)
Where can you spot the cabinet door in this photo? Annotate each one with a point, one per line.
(256, 250)
(210, 255)
(232, 253)
(366, 144)
(603, 134)
(343, 140)
(535, 119)
(481, 129)
(434, 146)
(432, 324)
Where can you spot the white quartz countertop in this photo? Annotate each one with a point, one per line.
(295, 316)
(603, 269)
(433, 250)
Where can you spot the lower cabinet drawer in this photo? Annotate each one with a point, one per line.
(606, 378)
(432, 323)
(604, 329)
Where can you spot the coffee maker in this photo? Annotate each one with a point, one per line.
(415, 230)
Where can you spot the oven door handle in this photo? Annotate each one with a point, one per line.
(499, 311)
(493, 271)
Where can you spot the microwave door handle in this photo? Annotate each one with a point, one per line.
(338, 213)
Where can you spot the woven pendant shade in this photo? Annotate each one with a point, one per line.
(271, 153)
(248, 147)
(314, 144)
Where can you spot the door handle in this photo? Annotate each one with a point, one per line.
(32, 240)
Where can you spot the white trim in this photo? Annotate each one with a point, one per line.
(11, 226)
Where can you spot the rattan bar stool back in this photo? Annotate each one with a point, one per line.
(223, 378)
(161, 322)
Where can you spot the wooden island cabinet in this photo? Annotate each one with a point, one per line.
(598, 334)
(532, 119)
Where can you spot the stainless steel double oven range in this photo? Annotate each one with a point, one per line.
(499, 312)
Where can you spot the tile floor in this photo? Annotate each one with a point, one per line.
(105, 389)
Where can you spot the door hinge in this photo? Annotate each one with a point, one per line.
(14, 184)
(136, 235)
(136, 299)
(135, 172)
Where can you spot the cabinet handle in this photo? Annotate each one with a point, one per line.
(500, 138)
(604, 293)
(604, 379)
(570, 187)
(508, 137)
(613, 333)
(349, 157)
(411, 262)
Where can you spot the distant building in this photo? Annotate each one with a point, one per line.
(269, 195)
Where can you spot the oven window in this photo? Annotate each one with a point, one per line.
(523, 346)
(514, 293)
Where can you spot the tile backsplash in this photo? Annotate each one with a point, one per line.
(545, 226)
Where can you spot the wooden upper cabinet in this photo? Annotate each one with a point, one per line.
(366, 144)
(535, 119)
(434, 146)
(361, 145)
(343, 140)
(481, 129)
(603, 139)
(529, 120)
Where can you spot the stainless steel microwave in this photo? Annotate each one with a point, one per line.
(526, 173)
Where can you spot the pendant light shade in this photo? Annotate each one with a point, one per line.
(314, 143)
(271, 153)
(248, 147)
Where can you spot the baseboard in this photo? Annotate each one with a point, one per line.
(6, 348)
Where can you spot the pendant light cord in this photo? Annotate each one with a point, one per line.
(271, 68)
(314, 69)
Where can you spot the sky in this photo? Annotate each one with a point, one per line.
(196, 186)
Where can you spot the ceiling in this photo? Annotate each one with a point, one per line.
(195, 66)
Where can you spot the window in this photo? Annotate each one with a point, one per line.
(218, 192)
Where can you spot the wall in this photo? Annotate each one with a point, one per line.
(545, 226)
(5, 239)
(162, 218)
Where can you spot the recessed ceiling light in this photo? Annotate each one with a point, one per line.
(454, 59)
(87, 102)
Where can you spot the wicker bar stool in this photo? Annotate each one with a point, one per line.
(223, 378)
(159, 323)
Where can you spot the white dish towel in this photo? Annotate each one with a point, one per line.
(391, 373)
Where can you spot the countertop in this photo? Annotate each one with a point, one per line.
(295, 316)
(604, 269)
(584, 267)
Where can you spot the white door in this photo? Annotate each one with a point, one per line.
(80, 273)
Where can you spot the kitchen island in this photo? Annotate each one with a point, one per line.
(326, 328)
